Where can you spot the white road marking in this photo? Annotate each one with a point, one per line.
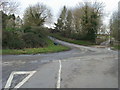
(109, 48)
(9, 81)
(24, 80)
(59, 75)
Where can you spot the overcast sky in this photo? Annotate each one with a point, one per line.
(56, 5)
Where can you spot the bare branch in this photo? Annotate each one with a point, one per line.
(9, 6)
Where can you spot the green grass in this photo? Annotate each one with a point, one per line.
(79, 42)
(49, 49)
(116, 47)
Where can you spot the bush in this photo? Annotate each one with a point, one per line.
(33, 40)
(27, 29)
(34, 37)
(31, 37)
(41, 31)
(11, 40)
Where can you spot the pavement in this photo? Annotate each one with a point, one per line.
(80, 67)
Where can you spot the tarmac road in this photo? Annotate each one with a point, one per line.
(81, 67)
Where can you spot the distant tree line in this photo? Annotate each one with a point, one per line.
(82, 22)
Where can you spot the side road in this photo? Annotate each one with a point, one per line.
(81, 67)
(88, 71)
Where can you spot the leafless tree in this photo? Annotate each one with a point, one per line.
(36, 15)
(9, 6)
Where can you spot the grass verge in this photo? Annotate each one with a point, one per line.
(116, 47)
(49, 49)
(79, 42)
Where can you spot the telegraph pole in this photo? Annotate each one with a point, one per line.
(118, 24)
(119, 18)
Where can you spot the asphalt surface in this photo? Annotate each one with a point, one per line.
(80, 67)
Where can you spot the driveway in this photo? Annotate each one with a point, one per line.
(81, 67)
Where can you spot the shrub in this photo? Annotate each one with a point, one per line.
(27, 29)
(33, 40)
(11, 40)
(40, 31)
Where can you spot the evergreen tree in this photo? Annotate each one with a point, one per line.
(85, 22)
(92, 33)
(60, 25)
(90, 22)
(69, 19)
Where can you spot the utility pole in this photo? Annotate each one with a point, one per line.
(118, 22)
(119, 9)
